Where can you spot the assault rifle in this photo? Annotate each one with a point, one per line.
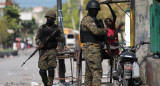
(39, 47)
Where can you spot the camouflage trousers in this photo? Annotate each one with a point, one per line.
(47, 59)
(92, 56)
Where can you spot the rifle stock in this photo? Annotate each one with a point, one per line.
(39, 47)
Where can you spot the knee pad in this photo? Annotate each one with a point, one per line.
(51, 71)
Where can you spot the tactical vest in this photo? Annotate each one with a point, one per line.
(51, 43)
(87, 36)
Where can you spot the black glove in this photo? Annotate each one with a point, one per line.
(101, 23)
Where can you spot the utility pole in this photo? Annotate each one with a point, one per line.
(62, 68)
(132, 24)
(59, 14)
(70, 11)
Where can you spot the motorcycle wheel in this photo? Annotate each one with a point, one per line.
(125, 82)
(116, 83)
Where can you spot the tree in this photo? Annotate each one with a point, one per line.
(4, 34)
(28, 27)
(69, 9)
(9, 24)
(12, 14)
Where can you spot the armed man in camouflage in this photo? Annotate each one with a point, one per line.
(92, 34)
(47, 54)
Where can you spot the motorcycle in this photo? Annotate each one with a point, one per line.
(126, 71)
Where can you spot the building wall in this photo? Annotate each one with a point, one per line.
(142, 25)
(142, 33)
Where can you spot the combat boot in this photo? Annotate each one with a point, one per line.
(43, 75)
(45, 85)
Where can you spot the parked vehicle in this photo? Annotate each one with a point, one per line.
(72, 41)
(126, 72)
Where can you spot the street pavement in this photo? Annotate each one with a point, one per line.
(12, 74)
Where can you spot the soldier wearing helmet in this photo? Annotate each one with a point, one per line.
(92, 34)
(51, 14)
(47, 54)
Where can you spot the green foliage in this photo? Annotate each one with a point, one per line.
(12, 14)
(7, 50)
(103, 13)
(29, 26)
(67, 16)
(4, 35)
(9, 24)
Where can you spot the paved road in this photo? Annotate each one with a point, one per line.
(12, 74)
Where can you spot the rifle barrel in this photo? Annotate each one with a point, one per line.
(30, 56)
(39, 47)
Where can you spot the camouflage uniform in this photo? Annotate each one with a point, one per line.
(47, 56)
(43, 53)
(92, 53)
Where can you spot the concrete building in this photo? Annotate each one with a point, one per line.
(2, 6)
(26, 16)
(149, 66)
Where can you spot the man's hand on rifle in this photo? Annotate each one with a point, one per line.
(58, 31)
(40, 44)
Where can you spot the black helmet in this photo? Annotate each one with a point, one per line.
(93, 4)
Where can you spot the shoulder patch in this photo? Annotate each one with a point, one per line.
(93, 24)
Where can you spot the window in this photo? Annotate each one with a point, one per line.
(70, 36)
